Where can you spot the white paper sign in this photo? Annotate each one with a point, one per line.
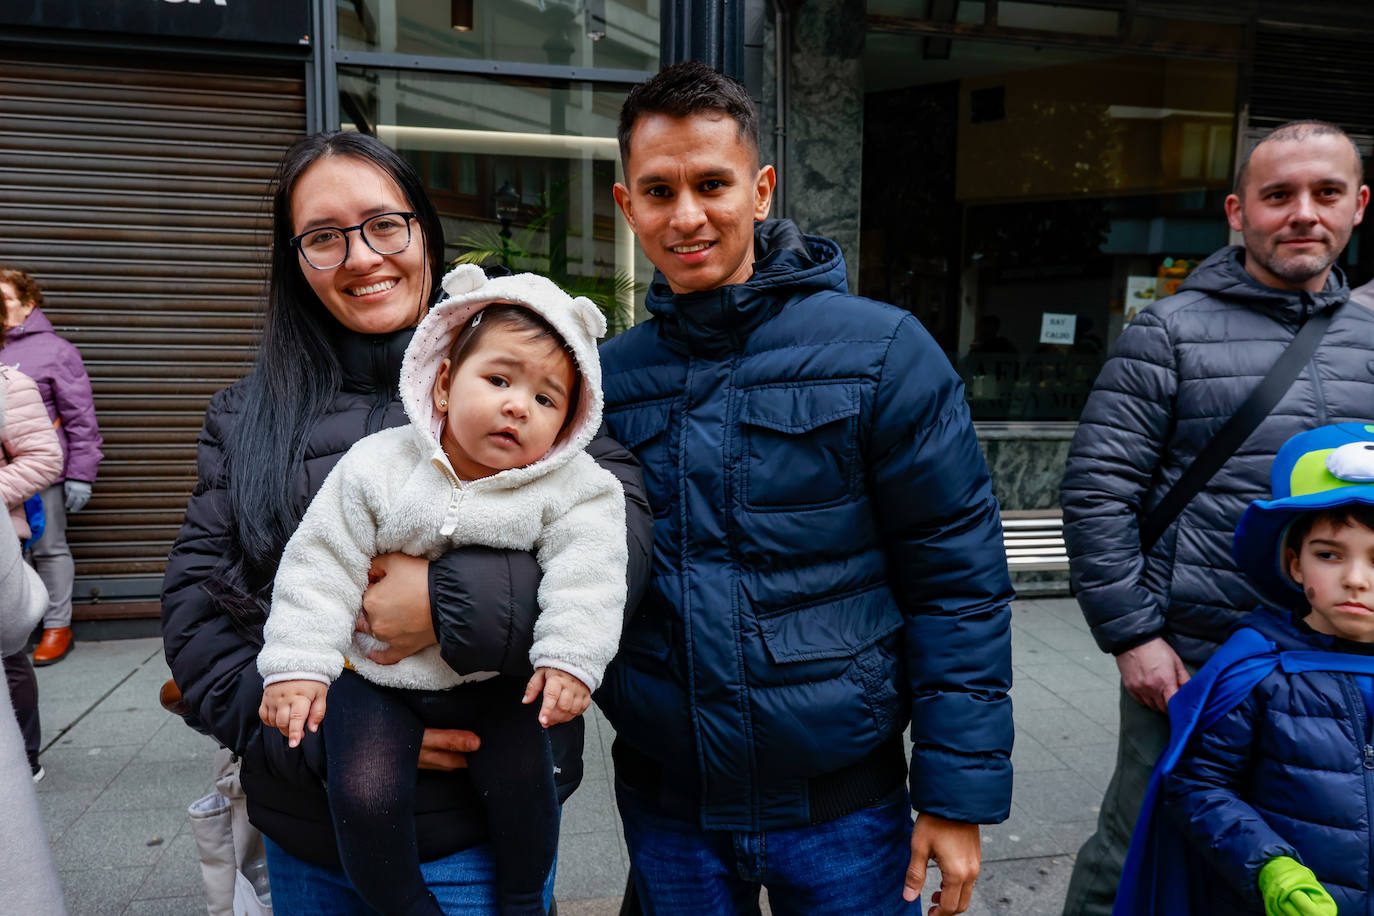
(1056, 328)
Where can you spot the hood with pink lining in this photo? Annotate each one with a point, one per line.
(467, 291)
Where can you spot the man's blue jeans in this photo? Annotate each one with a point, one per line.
(854, 864)
(464, 884)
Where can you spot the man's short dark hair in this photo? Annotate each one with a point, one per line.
(687, 89)
(1293, 131)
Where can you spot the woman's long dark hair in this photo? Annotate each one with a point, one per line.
(295, 377)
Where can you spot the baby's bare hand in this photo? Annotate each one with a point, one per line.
(293, 706)
(565, 696)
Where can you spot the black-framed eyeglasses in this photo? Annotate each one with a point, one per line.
(327, 247)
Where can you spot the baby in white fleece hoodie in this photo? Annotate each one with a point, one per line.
(502, 385)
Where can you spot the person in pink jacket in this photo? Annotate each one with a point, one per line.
(30, 460)
(33, 347)
(32, 456)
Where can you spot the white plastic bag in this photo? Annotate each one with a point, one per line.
(246, 899)
(232, 858)
(212, 827)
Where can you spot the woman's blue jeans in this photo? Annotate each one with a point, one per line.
(464, 884)
(853, 864)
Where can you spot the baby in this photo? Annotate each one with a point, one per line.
(501, 383)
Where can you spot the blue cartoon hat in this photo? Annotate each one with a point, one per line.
(1319, 469)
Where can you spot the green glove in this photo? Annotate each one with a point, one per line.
(1290, 889)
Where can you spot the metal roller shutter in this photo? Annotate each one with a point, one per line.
(1299, 74)
(135, 191)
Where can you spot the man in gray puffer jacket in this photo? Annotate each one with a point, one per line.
(1177, 373)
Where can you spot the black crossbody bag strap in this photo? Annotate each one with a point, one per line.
(1237, 429)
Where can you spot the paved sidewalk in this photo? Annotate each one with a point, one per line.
(121, 772)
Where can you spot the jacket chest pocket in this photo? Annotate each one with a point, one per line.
(800, 445)
(643, 429)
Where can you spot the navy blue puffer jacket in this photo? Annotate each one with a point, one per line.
(1176, 374)
(828, 559)
(1288, 772)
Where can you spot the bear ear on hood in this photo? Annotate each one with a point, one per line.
(463, 279)
(590, 316)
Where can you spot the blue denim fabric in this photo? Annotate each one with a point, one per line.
(854, 864)
(464, 884)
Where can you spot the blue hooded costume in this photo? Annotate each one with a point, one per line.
(1277, 727)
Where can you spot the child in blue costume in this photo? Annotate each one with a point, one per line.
(1264, 800)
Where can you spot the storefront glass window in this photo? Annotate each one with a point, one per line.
(1025, 201)
(521, 172)
(611, 34)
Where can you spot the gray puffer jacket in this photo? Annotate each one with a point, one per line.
(1176, 374)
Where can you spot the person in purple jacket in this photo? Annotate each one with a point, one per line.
(32, 346)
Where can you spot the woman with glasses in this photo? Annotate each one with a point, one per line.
(357, 255)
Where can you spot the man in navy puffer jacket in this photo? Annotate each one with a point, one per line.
(828, 561)
(1174, 377)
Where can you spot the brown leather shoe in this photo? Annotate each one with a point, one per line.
(170, 698)
(53, 647)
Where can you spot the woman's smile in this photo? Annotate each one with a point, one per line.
(378, 287)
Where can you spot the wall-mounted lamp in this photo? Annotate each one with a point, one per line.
(460, 15)
(507, 201)
(595, 19)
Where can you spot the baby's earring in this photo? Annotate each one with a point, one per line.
(443, 403)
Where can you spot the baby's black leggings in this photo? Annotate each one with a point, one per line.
(372, 744)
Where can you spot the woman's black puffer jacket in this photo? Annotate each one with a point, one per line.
(483, 604)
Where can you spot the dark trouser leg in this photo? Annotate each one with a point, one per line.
(629, 903)
(1141, 738)
(513, 773)
(372, 745)
(23, 684)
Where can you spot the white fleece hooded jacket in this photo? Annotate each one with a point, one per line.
(396, 491)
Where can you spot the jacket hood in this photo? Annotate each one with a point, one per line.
(1328, 467)
(1364, 295)
(1223, 274)
(1280, 626)
(467, 291)
(787, 264)
(36, 323)
(1288, 631)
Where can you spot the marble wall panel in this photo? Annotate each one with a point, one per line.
(1040, 583)
(1026, 471)
(1026, 467)
(824, 168)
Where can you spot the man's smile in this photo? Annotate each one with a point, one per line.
(692, 252)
